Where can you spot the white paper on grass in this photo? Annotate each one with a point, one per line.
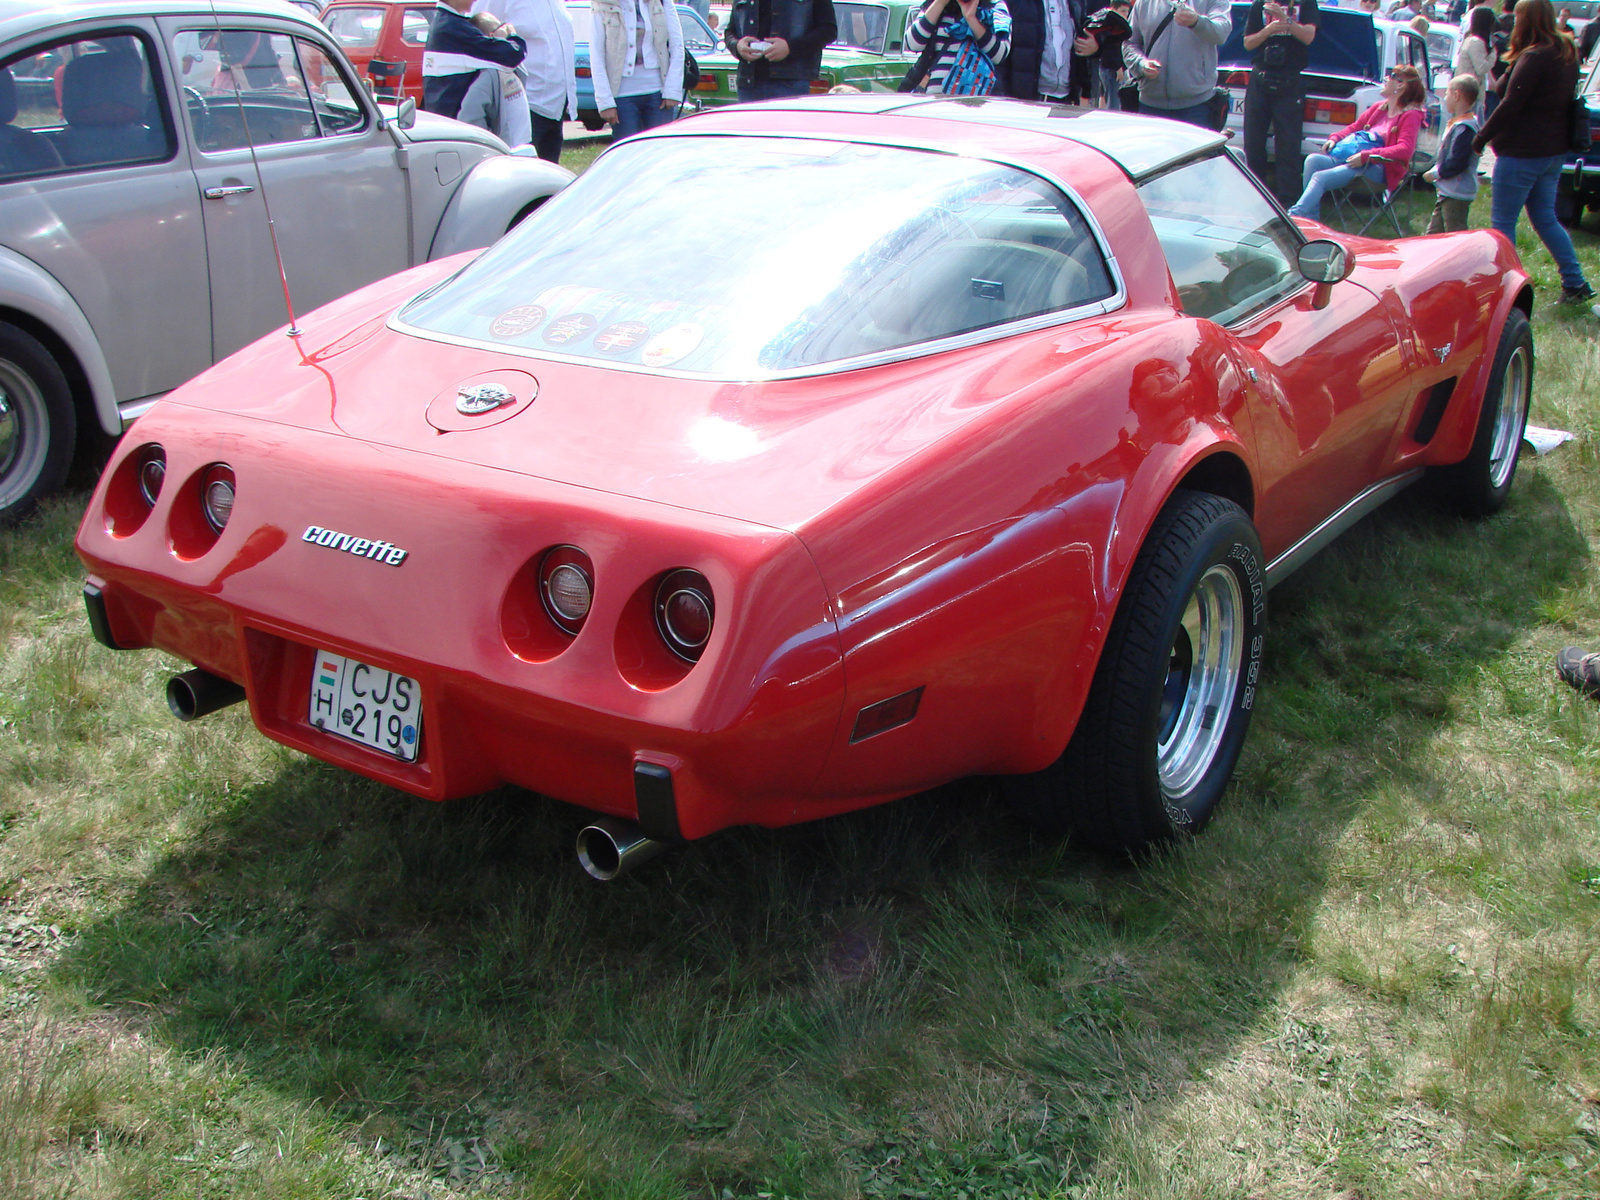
(1545, 440)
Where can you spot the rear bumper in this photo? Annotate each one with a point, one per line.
(742, 735)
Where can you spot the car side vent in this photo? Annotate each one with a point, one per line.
(1433, 411)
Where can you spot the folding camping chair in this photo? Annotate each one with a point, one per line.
(1362, 204)
(387, 79)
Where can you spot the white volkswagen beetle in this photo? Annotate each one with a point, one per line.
(142, 145)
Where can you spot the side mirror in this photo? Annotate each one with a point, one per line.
(405, 115)
(1325, 263)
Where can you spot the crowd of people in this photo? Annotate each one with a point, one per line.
(509, 65)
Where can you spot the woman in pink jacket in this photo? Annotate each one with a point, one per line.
(1395, 121)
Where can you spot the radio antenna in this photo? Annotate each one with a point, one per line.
(294, 330)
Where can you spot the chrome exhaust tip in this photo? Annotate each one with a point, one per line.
(196, 693)
(610, 847)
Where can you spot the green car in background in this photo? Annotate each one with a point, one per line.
(868, 54)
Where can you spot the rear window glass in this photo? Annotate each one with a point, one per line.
(753, 256)
(355, 28)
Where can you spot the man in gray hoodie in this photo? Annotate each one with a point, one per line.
(1175, 61)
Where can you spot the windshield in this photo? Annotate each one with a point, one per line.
(861, 25)
(746, 257)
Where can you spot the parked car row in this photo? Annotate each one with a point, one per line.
(867, 53)
(1344, 74)
(141, 145)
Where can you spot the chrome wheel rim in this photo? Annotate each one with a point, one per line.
(1509, 420)
(22, 424)
(1202, 681)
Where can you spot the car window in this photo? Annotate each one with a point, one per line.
(580, 21)
(696, 36)
(415, 24)
(332, 96)
(81, 105)
(1230, 251)
(820, 252)
(861, 25)
(356, 28)
(244, 87)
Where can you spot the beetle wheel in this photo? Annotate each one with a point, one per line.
(1170, 704)
(37, 423)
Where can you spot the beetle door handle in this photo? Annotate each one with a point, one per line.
(236, 189)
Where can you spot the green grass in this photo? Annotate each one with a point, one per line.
(226, 970)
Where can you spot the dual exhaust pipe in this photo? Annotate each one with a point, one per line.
(606, 849)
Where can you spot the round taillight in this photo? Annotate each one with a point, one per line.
(566, 587)
(152, 472)
(685, 612)
(216, 495)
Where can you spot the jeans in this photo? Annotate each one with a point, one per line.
(1322, 174)
(1531, 183)
(1195, 114)
(636, 113)
(774, 89)
(1278, 107)
(546, 137)
(1105, 86)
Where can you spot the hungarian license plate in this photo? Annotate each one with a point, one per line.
(366, 704)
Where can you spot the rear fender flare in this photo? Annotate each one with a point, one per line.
(490, 198)
(1454, 439)
(1162, 474)
(34, 294)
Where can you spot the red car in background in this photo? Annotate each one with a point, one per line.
(388, 33)
(966, 439)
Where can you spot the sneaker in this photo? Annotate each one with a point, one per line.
(1577, 295)
(1580, 668)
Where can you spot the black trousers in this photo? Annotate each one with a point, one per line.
(1277, 106)
(547, 138)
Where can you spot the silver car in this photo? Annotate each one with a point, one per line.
(142, 145)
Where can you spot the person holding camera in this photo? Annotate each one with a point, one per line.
(1274, 100)
(779, 45)
(1172, 52)
(971, 38)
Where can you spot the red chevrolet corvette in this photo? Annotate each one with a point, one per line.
(805, 455)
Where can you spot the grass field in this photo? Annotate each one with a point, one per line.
(227, 970)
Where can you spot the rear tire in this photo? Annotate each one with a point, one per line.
(1480, 484)
(1170, 704)
(38, 427)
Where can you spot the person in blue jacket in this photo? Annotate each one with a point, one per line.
(457, 49)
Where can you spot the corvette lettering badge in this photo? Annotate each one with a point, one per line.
(384, 552)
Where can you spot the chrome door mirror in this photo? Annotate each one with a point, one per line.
(1325, 261)
(405, 115)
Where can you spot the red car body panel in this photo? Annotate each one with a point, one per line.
(963, 522)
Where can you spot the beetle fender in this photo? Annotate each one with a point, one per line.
(489, 199)
(28, 289)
